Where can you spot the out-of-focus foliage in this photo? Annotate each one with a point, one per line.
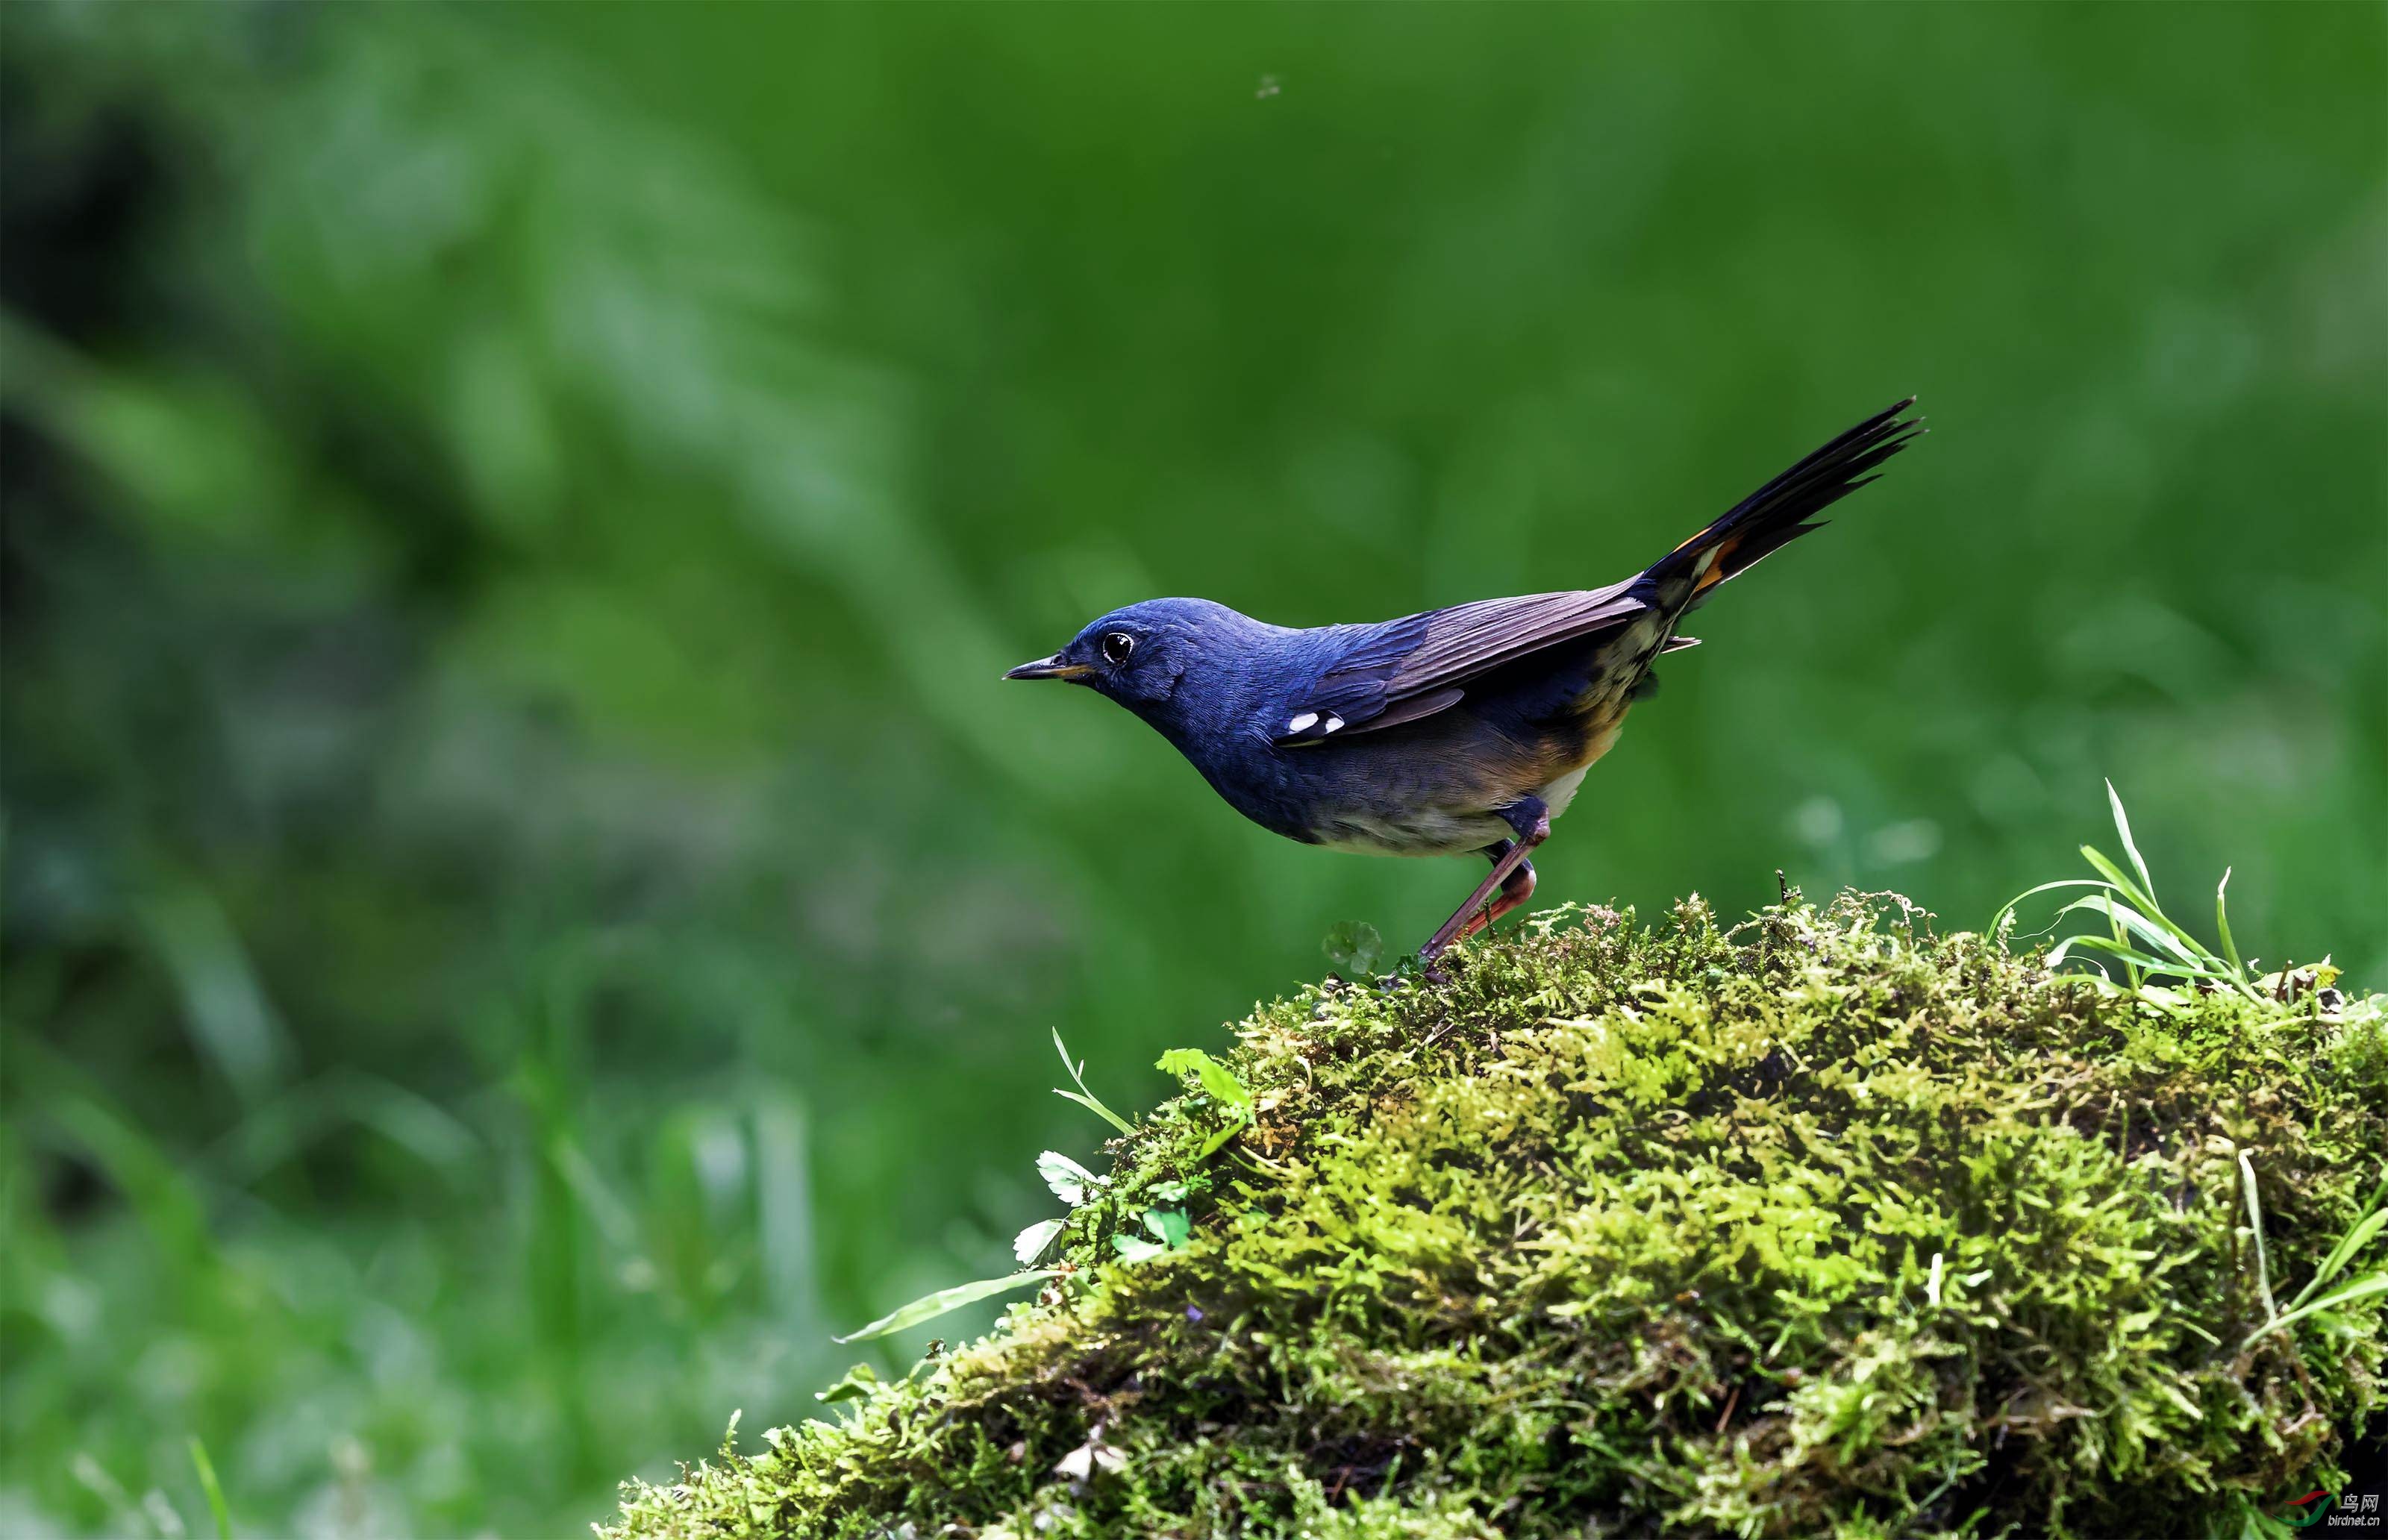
(526, 907)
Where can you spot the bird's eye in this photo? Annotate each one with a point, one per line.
(1117, 645)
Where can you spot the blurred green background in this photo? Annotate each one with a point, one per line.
(525, 906)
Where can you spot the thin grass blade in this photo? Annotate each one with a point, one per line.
(2358, 1235)
(1083, 1097)
(209, 1485)
(2122, 828)
(944, 1301)
(2362, 1288)
(2256, 1223)
(2152, 914)
(1106, 1114)
(2006, 911)
(2354, 1240)
(2222, 925)
(2125, 953)
(2122, 882)
(2162, 935)
(2131, 970)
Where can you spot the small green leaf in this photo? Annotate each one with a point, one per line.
(1169, 1226)
(1069, 1180)
(860, 1382)
(1136, 1248)
(1030, 1244)
(1226, 1131)
(929, 1307)
(1218, 1082)
(1354, 947)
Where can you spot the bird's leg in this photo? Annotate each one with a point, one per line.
(1471, 916)
(1532, 819)
(1516, 889)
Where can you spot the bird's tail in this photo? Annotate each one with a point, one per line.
(1777, 513)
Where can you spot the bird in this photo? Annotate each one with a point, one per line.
(1453, 731)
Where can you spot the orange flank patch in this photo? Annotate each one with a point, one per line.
(1717, 571)
(1494, 771)
(1558, 756)
(1603, 737)
(1518, 769)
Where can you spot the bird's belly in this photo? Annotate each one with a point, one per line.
(1410, 831)
(1559, 793)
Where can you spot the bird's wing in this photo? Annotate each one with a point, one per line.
(1421, 664)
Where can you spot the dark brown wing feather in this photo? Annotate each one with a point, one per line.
(1419, 665)
(1469, 639)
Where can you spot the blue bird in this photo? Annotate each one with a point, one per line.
(1466, 729)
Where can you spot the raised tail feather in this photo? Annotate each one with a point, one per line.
(1776, 513)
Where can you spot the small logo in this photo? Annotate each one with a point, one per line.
(2342, 1509)
(2308, 1510)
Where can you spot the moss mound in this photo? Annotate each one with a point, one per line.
(1822, 1224)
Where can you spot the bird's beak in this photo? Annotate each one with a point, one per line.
(1049, 668)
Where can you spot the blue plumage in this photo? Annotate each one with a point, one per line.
(1455, 730)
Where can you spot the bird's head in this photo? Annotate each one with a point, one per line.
(1138, 655)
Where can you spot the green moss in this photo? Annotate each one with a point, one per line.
(1825, 1225)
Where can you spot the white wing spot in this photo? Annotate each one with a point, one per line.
(1302, 723)
(1333, 723)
